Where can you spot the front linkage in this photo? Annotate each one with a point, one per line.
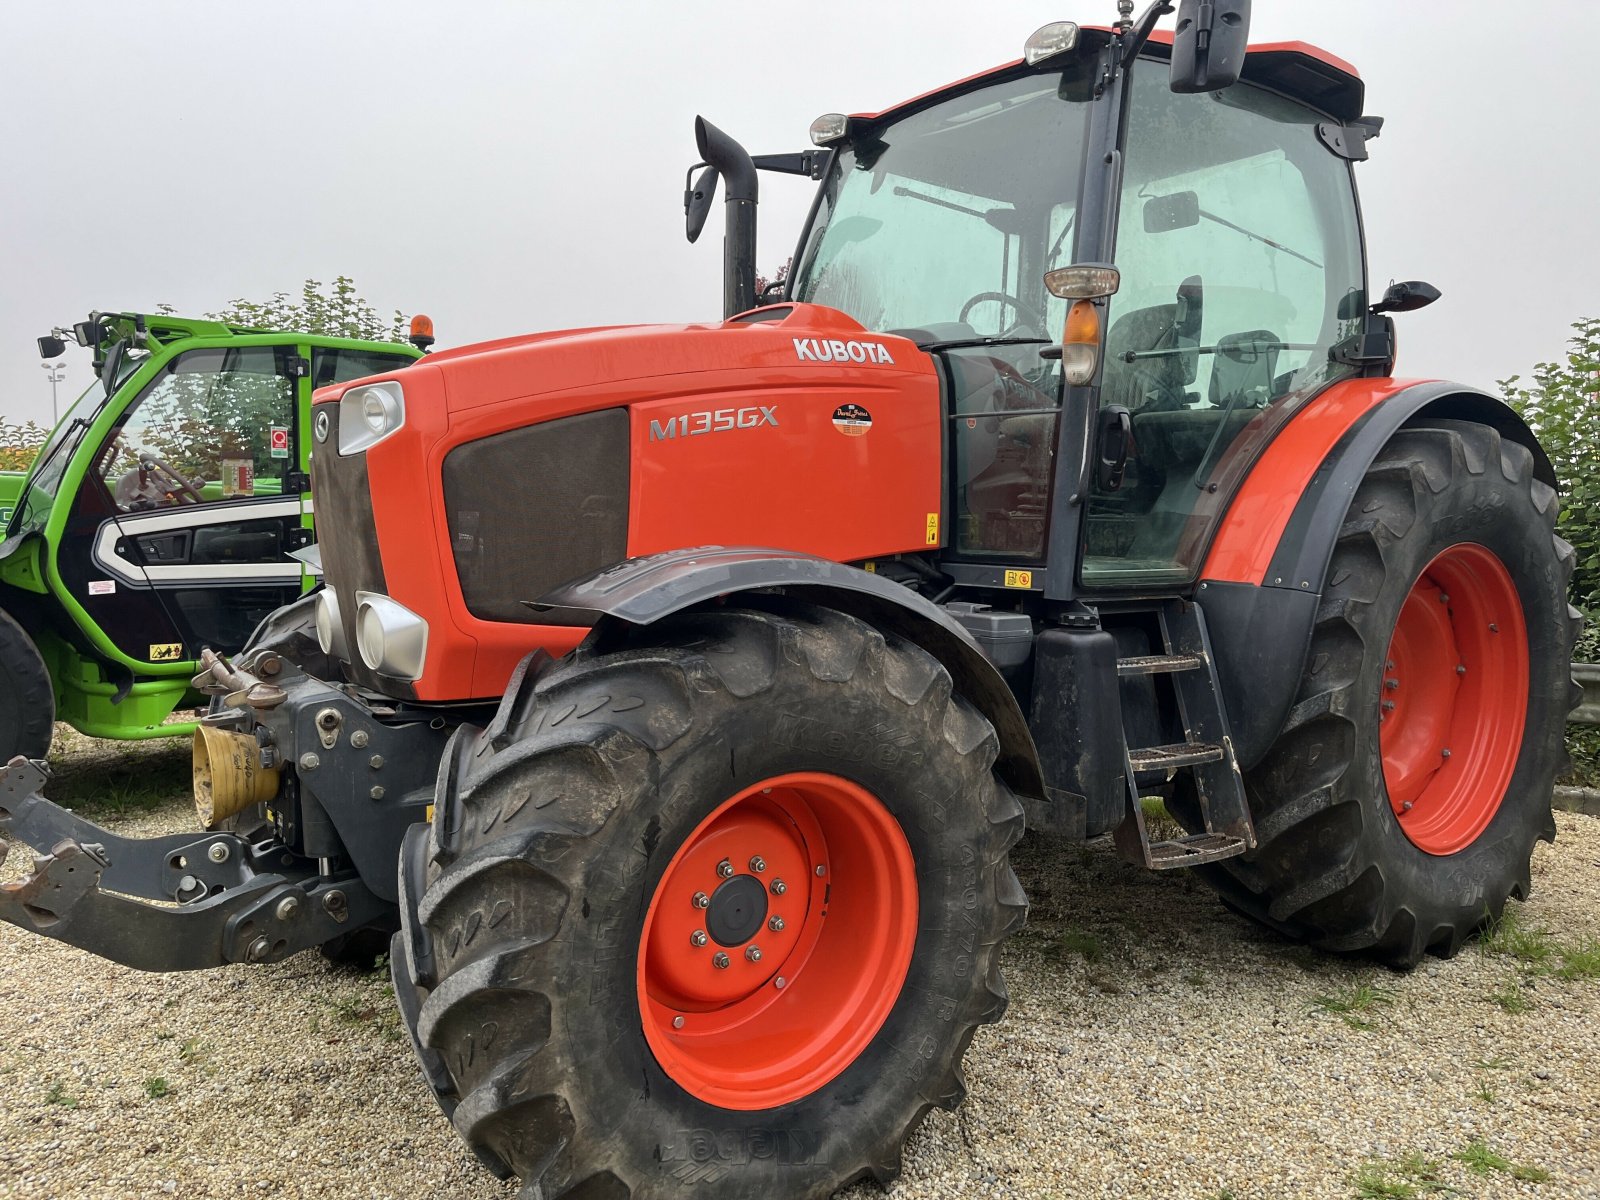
(320, 867)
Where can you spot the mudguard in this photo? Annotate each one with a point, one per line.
(1265, 571)
(641, 591)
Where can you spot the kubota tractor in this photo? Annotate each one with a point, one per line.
(698, 678)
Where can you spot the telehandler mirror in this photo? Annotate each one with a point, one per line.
(697, 200)
(1208, 45)
(51, 346)
(1163, 214)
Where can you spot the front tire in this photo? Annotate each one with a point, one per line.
(626, 820)
(1399, 807)
(27, 697)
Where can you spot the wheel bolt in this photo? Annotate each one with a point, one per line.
(1493, 628)
(821, 870)
(753, 953)
(698, 938)
(780, 982)
(1388, 706)
(720, 961)
(1444, 753)
(677, 1022)
(779, 887)
(1392, 684)
(1461, 669)
(757, 863)
(725, 869)
(701, 900)
(775, 924)
(1406, 807)
(1443, 599)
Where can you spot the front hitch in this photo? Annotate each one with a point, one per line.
(226, 900)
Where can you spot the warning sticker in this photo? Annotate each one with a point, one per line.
(102, 587)
(1019, 579)
(278, 441)
(852, 420)
(933, 529)
(166, 651)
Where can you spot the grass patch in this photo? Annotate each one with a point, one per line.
(135, 780)
(156, 1087)
(195, 1052)
(1498, 1063)
(1480, 1160)
(1580, 962)
(1350, 1006)
(1510, 937)
(1158, 822)
(1082, 943)
(1483, 1091)
(58, 1095)
(1403, 1178)
(1512, 999)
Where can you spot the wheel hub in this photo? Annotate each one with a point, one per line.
(738, 909)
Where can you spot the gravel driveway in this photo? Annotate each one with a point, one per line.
(1156, 1046)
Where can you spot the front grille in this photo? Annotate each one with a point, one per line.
(348, 536)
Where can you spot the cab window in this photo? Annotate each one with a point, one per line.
(213, 425)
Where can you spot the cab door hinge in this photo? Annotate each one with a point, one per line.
(296, 367)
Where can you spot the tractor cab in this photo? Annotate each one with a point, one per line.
(163, 512)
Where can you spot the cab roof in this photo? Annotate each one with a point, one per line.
(1298, 70)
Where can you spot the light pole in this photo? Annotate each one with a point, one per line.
(57, 374)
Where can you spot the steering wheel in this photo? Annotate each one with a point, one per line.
(1031, 315)
(181, 490)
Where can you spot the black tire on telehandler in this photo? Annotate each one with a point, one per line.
(1405, 840)
(640, 816)
(27, 697)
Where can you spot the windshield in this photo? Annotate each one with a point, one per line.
(945, 221)
(51, 462)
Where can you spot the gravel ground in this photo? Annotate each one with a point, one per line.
(1156, 1046)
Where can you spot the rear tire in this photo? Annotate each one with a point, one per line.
(570, 836)
(1379, 840)
(27, 697)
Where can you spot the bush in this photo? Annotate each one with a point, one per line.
(1562, 404)
(19, 444)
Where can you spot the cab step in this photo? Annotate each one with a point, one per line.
(1186, 670)
(1159, 664)
(1170, 758)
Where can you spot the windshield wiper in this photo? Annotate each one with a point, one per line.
(963, 343)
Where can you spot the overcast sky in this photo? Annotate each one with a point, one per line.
(507, 167)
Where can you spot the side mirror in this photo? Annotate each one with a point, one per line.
(697, 200)
(1407, 296)
(1163, 214)
(51, 346)
(1208, 45)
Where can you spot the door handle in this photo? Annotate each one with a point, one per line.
(1113, 444)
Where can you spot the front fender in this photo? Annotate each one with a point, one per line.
(641, 591)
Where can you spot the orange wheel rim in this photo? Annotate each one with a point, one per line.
(1453, 699)
(777, 941)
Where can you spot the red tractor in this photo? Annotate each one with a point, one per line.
(699, 678)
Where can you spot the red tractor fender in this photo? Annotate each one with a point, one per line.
(1267, 563)
(641, 591)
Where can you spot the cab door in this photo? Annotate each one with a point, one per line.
(180, 534)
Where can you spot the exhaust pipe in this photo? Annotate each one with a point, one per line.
(732, 162)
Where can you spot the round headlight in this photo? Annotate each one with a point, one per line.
(375, 411)
(369, 636)
(330, 626)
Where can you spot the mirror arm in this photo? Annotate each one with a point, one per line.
(1133, 41)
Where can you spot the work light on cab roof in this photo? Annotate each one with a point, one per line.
(1049, 40)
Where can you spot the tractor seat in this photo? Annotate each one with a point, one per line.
(1242, 373)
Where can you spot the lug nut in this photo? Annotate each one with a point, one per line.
(698, 938)
(775, 924)
(1406, 807)
(753, 953)
(677, 1022)
(779, 887)
(725, 869)
(218, 853)
(821, 870)
(1388, 706)
(701, 900)
(1461, 669)
(1493, 628)
(780, 983)
(1391, 684)
(720, 961)
(1444, 753)
(757, 863)
(1443, 599)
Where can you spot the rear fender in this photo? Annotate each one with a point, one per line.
(641, 591)
(1268, 563)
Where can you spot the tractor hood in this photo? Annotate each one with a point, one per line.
(783, 343)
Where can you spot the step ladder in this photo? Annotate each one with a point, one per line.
(1188, 669)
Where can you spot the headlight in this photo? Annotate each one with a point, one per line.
(392, 639)
(330, 626)
(368, 414)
